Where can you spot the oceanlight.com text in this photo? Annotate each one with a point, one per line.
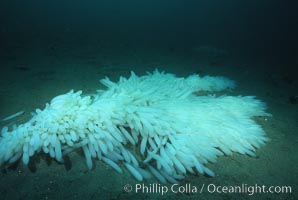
(188, 188)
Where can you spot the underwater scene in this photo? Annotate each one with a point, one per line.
(139, 99)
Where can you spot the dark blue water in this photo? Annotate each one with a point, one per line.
(263, 29)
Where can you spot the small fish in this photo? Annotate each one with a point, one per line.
(293, 99)
(12, 116)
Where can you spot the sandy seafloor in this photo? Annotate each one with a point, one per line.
(33, 76)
